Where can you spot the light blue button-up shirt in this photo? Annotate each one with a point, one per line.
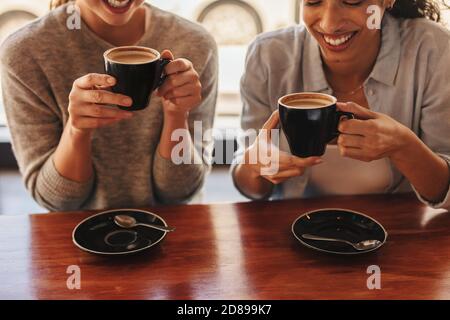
(410, 82)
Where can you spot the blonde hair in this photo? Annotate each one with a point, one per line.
(56, 3)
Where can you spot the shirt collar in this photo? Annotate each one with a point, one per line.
(388, 59)
(384, 70)
(314, 79)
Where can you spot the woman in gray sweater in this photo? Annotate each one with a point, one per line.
(386, 62)
(74, 151)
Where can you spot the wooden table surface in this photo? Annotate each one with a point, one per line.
(233, 251)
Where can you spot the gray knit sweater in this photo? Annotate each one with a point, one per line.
(39, 64)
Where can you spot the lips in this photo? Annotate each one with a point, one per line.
(338, 42)
(118, 6)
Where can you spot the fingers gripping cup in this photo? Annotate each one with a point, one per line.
(310, 121)
(138, 72)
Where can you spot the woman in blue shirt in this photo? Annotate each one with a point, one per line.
(394, 78)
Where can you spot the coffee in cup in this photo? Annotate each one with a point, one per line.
(309, 121)
(138, 72)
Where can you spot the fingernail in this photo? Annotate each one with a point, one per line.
(318, 161)
(110, 80)
(127, 114)
(127, 101)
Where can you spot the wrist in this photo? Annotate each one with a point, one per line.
(79, 136)
(170, 115)
(408, 143)
(250, 165)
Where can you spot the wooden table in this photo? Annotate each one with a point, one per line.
(233, 251)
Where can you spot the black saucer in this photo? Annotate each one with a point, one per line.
(338, 223)
(100, 235)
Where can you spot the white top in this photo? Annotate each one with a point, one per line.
(345, 176)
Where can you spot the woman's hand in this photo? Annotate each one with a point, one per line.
(88, 102)
(272, 164)
(372, 135)
(182, 90)
(377, 136)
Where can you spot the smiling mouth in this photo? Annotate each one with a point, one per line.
(339, 40)
(118, 3)
(118, 6)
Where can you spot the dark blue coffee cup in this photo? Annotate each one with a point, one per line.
(310, 121)
(138, 72)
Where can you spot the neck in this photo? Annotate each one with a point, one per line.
(123, 35)
(348, 75)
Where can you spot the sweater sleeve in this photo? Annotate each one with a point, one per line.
(36, 128)
(176, 182)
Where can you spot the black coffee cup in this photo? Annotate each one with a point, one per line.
(138, 72)
(310, 121)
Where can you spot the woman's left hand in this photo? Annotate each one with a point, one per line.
(182, 90)
(371, 136)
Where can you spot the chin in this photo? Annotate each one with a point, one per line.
(116, 21)
(338, 57)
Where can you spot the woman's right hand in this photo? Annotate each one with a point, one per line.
(89, 100)
(287, 166)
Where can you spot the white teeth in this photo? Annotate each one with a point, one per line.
(118, 3)
(339, 41)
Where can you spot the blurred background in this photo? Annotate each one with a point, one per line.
(233, 23)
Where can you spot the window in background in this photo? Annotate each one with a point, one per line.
(446, 12)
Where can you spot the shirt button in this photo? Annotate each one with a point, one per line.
(370, 92)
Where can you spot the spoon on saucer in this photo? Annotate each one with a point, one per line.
(360, 246)
(128, 222)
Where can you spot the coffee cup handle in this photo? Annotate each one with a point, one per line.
(163, 63)
(348, 115)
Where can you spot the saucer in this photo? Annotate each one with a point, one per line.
(99, 234)
(338, 223)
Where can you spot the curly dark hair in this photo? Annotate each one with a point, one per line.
(430, 9)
